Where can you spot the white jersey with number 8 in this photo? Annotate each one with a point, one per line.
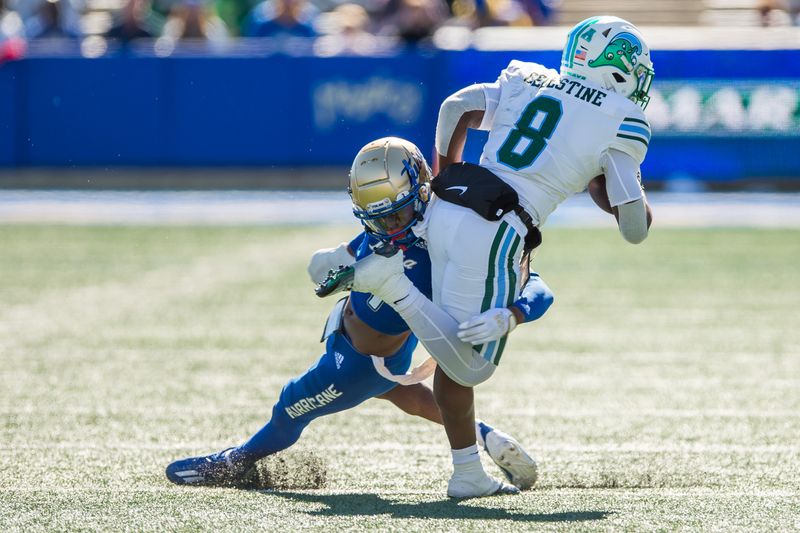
(548, 135)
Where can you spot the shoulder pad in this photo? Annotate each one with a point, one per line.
(633, 133)
(521, 69)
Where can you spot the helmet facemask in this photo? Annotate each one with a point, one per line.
(393, 222)
(644, 78)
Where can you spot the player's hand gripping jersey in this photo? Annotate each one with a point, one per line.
(550, 135)
(533, 302)
(371, 309)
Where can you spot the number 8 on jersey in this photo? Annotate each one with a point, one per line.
(537, 124)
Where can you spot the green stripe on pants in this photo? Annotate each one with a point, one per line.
(512, 285)
(488, 291)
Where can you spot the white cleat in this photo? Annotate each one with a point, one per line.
(470, 481)
(506, 452)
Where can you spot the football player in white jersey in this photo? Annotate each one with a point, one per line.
(550, 134)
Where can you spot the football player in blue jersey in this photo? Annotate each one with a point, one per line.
(368, 346)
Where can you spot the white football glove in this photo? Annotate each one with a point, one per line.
(491, 325)
(385, 277)
(328, 259)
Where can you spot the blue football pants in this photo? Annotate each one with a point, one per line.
(341, 379)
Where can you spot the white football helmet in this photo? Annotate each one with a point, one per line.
(610, 52)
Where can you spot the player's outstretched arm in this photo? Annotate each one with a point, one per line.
(434, 327)
(326, 259)
(494, 324)
(633, 219)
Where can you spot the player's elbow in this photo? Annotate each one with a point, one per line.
(445, 126)
(450, 106)
(540, 297)
(326, 259)
(449, 102)
(542, 304)
(544, 300)
(547, 300)
(633, 221)
(634, 235)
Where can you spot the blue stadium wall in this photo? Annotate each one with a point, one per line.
(138, 110)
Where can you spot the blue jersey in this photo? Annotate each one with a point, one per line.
(371, 309)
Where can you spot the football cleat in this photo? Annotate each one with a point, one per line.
(470, 481)
(518, 467)
(337, 280)
(228, 468)
(342, 279)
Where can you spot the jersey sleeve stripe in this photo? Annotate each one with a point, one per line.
(637, 120)
(635, 129)
(632, 137)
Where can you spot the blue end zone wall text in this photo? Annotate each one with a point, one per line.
(285, 111)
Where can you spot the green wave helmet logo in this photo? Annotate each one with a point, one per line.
(621, 52)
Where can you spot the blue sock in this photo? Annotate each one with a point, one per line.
(481, 430)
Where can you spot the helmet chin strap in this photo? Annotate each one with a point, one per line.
(395, 241)
(406, 238)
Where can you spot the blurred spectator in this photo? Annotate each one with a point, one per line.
(541, 12)
(193, 19)
(349, 36)
(12, 41)
(234, 13)
(770, 8)
(51, 18)
(288, 18)
(413, 21)
(481, 13)
(502, 13)
(136, 21)
(10, 23)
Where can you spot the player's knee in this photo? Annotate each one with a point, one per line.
(472, 379)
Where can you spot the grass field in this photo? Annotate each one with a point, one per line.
(661, 392)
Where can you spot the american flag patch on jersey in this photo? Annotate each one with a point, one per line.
(634, 129)
(580, 54)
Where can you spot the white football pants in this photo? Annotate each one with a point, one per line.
(474, 264)
(475, 267)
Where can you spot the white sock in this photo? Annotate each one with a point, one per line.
(465, 455)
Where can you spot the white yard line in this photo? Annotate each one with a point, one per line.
(757, 210)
